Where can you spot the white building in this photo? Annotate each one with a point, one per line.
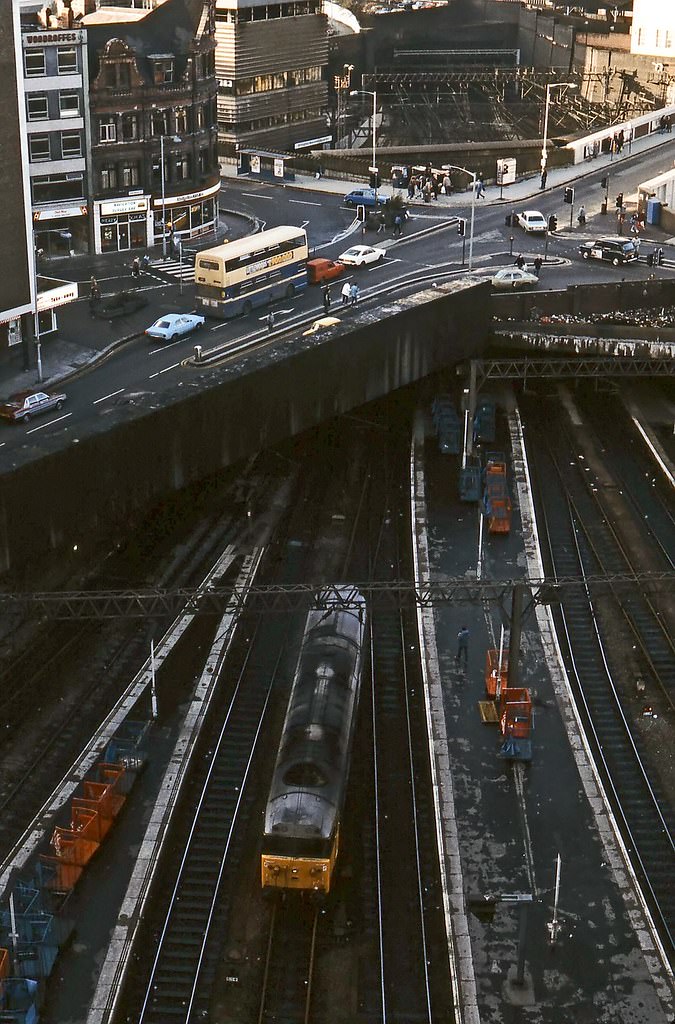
(653, 31)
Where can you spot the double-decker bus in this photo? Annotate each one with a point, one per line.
(233, 278)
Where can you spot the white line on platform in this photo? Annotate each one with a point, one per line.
(165, 370)
(50, 424)
(106, 397)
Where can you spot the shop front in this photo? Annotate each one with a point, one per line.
(61, 230)
(187, 216)
(122, 224)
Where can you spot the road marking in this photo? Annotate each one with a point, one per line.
(165, 370)
(50, 424)
(106, 397)
(254, 195)
(303, 202)
(167, 345)
(2, 444)
(387, 260)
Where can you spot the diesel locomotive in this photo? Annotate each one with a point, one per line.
(302, 818)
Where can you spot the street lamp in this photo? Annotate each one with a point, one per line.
(549, 86)
(473, 176)
(368, 92)
(171, 138)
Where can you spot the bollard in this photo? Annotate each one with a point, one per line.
(511, 246)
(198, 353)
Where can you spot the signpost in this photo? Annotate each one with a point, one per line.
(506, 173)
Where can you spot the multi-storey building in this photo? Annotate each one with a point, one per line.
(17, 281)
(653, 29)
(55, 79)
(153, 121)
(271, 63)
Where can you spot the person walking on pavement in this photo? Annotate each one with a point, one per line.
(398, 226)
(581, 217)
(537, 265)
(326, 298)
(136, 268)
(354, 294)
(462, 646)
(345, 293)
(519, 261)
(480, 187)
(270, 320)
(544, 176)
(94, 295)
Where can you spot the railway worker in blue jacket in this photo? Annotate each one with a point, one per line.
(462, 646)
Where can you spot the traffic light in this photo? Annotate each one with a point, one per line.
(553, 223)
(461, 226)
(619, 201)
(569, 196)
(375, 180)
(604, 182)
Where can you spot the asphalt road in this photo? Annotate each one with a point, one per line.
(144, 375)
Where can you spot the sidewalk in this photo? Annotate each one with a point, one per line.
(83, 339)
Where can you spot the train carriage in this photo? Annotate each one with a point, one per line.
(302, 818)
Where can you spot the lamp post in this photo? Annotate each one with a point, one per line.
(171, 138)
(473, 176)
(369, 92)
(549, 86)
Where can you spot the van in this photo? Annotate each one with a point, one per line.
(617, 250)
(321, 270)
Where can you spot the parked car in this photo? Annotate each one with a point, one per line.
(321, 325)
(320, 270)
(121, 304)
(25, 404)
(364, 197)
(533, 222)
(513, 277)
(361, 255)
(617, 250)
(175, 325)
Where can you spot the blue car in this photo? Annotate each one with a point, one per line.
(364, 197)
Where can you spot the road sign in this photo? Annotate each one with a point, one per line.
(506, 171)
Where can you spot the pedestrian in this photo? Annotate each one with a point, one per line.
(398, 225)
(326, 298)
(659, 257)
(363, 231)
(581, 217)
(94, 296)
(544, 177)
(480, 187)
(345, 293)
(270, 320)
(620, 221)
(520, 261)
(145, 263)
(382, 224)
(447, 185)
(136, 267)
(354, 294)
(620, 139)
(669, 123)
(411, 188)
(537, 265)
(462, 646)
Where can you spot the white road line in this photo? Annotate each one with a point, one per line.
(50, 424)
(303, 202)
(106, 397)
(253, 195)
(2, 444)
(165, 370)
(386, 262)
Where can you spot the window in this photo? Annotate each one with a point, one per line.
(67, 60)
(69, 104)
(669, 41)
(34, 63)
(658, 38)
(38, 146)
(107, 130)
(182, 167)
(129, 127)
(180, 114)
(37, 106)
(109, 176)
(52, 188)
(130, 175)
(160, 122)
(200, 117)
(71, 145)
(163, 70)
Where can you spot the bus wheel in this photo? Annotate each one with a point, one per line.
(290, 291)
(247, 308)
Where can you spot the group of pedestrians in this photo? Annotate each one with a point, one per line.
(350, 294)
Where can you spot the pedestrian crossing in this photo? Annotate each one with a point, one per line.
(169, 265)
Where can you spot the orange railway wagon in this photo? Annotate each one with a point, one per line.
(492, 672)
(515, 722)
(496, 500)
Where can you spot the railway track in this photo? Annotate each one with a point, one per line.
(288, 974)
(577, 542)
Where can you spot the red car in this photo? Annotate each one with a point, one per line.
(25, 404)
(321, 270)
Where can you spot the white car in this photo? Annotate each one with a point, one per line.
(175, 325)
(321, 325)
(361, 255)
(513, 277)
(533, 222)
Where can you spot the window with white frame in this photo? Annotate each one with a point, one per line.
(37, 106)
(69, 104)
(130, 175)
(34, 63)
(109, 176)
(71, 145)
(67, 60)
(38, 147)
(107, 130)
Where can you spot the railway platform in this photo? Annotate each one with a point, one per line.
(590, 956)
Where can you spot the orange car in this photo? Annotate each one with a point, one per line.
(321, 270)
